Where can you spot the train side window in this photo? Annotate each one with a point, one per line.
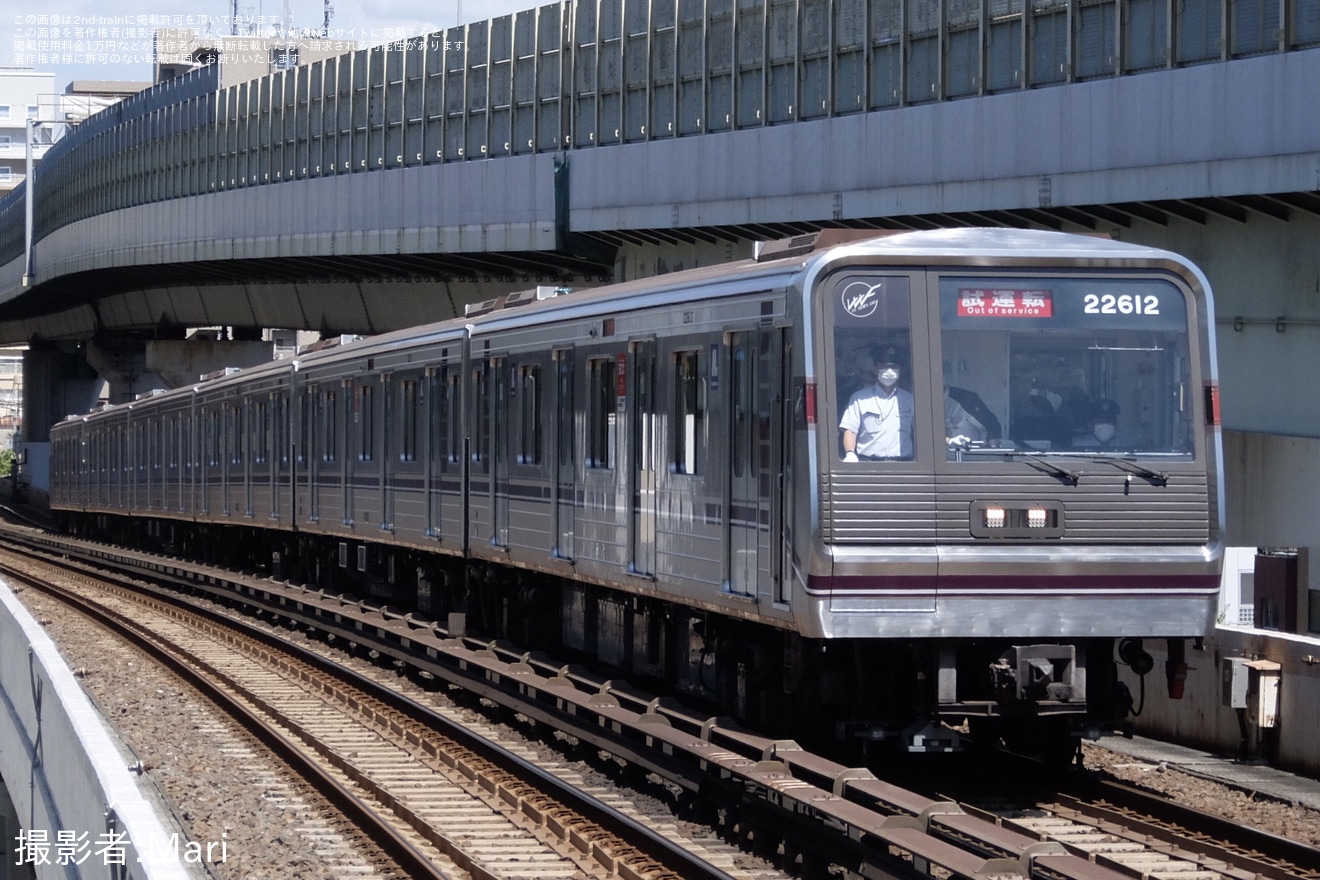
(742, 405)
(452, 416)
(366, 414)
(481, 383)
(529, 403)
(408, 436)
(330, 413)
(280, 429)
(304, 418)
(689, 413)
(564, 404)
(237, 436)
(216, 437)
(261, 434)
(602, 414)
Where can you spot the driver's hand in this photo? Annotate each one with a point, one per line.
(850, 456)
(961, 440)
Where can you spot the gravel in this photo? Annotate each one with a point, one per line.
(1293, 821)
(217, 781)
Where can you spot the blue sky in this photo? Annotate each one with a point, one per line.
(117, 34)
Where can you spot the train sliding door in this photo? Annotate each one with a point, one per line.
(781, 424)
(388, 432)
(345, 465)
(565, 455)
(642, 458)
(500, 450)
(481, 476)
(754, 524)
(489, 465)
(435, 426)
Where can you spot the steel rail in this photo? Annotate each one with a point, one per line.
(817, 793)
(630, 831)
(381, 833)
(1268, 855)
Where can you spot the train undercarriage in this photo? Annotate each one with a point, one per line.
(916, 695)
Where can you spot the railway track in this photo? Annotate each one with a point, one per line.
(434, 807)
(803, 809)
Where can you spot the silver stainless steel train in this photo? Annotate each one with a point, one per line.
(654, 474)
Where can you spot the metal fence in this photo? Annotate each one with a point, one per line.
(576, 75)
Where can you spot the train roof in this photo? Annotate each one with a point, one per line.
(779, 262)
(776, 265)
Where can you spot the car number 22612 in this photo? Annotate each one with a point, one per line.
(1122, 304)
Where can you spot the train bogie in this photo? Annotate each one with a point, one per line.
(705, 479)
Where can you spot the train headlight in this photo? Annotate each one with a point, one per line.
(1036, 518)
(994, 517)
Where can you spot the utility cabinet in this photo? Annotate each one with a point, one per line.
(1252, 685)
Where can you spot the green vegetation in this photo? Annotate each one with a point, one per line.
(7, 460)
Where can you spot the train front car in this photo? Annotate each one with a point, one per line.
(1018, 457)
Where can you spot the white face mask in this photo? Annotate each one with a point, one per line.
(1104, 433)
(888, 376)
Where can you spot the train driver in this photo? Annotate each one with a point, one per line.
(961, 429)
(1104, 424)
(877, 423)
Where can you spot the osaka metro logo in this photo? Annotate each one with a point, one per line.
(861, 299)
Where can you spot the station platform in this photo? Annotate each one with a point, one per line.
(1244, 776)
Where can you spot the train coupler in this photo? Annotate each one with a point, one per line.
(1038, 672)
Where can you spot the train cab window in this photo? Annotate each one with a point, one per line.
(529, 412)
(1069, 366)
(689, 413)
(873, 370)
(602, 414)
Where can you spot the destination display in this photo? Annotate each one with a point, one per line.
(986, 302)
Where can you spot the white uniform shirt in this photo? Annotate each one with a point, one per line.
(882, 422)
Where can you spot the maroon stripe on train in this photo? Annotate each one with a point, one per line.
(1020, 583)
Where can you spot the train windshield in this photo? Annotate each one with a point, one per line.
(1065, 366)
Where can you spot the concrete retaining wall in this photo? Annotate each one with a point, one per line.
(63, 769)
(1201, 719)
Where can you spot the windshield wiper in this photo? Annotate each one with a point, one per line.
(1156, 478)
(1040, 464)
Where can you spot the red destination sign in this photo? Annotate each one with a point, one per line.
(987, 302)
